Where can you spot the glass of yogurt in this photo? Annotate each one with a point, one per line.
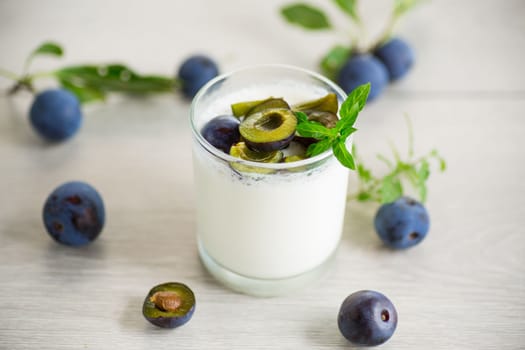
(265, 228)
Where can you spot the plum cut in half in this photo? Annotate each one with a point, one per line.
(269, 130)
(169, 305)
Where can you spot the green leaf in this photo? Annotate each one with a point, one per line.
(423, 192)
(48, 48)
(358, 96)
(442, 164)
(411, 174)
(334, 59)
(349, 7)
(363, 196)
(391, 189)
(347, 131)
(85, 94)
(424, 171)
(306, 16)
(403, 6)
(314, 129)
(319, 147)
(301, 117)
(351, 107)
(113, 78)
(364, 174)
(343, 155)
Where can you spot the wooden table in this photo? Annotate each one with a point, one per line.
(462, 288)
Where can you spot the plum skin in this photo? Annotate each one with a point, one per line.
(171, 322)
(397, 56)
(195, 72)
(74, 214)
(222, 132)
(361, 69)
(367, 318)
(403, 223)
(55, 114)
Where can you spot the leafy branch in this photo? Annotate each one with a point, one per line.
(90, 82)
(401, 7)
(390, 187)
(312, 18)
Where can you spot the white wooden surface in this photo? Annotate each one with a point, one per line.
(462, 288)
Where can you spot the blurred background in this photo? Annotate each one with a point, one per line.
(461, 46)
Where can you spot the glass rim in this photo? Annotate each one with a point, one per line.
(274, 166)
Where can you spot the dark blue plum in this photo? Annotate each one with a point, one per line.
(222, 132)
(195, 72)
(55, 114)
(362, 69)
(367, 318)
(74, 214)
(397, 56)
(402, 224)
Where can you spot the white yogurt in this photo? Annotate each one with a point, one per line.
(267, 226)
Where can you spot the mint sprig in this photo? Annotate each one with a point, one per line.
(335, 138)
(90, 82)
(412, 171)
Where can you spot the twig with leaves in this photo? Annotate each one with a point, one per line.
(314, 18)
(90, 82)
(390, 187)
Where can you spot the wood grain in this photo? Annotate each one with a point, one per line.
(462, 288)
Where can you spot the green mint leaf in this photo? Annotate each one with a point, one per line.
(314, 129)
(319, 147)
(403, 6)
(351, 107)
(347, 131)
(306, 16)
(342, 154)
(349, 7)
(391, 189)
(335, 137)
(113, 78)
(301, 117)
(333, 60)
(48, 48)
